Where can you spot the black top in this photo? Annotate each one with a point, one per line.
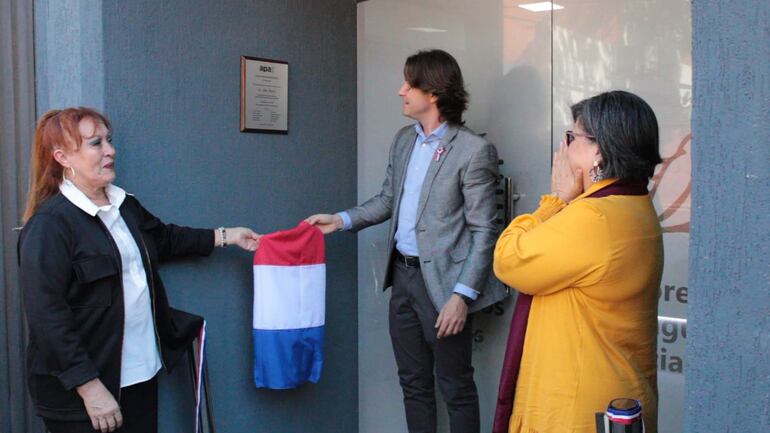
(72, 286)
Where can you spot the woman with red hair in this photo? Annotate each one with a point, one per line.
(99, 320)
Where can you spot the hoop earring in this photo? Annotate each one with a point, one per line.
(64, 171)
(596, 172)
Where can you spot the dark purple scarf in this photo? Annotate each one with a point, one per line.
(515, 346)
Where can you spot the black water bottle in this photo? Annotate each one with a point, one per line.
(624, 415)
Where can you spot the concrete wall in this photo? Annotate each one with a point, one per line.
(17, 119)
(69, 47)
(729, 298)
(170, 77)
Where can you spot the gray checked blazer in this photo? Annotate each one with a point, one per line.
(456, 229)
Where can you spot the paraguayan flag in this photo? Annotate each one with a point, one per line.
(289, 307)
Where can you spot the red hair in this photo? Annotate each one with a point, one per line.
(56, 129)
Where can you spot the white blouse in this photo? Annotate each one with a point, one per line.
(140, 357)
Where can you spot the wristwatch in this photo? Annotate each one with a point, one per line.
(467, 299)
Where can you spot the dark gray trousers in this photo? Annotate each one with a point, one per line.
(413, 334)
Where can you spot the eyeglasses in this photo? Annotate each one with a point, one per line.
(570, 136)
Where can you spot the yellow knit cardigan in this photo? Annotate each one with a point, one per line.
(594, 269)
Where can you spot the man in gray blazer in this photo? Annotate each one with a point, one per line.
(439, 194)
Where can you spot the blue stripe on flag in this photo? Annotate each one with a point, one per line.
(287, 358)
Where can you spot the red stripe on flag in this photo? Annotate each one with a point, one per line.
(623, 420)
(302, 245)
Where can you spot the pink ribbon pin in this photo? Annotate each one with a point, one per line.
(439, 151)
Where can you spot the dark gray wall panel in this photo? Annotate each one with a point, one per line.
(729, 302)
(172, 88)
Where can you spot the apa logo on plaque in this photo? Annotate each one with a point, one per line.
(264, 95)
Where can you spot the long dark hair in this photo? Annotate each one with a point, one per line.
(437, 72)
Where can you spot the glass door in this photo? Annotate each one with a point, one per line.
(523, 66)
(643, 47)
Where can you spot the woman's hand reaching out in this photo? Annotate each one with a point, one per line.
(565, 183)
(241, 236)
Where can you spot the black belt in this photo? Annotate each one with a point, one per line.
(411, 261)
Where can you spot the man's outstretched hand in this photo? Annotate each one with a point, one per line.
(326, 222)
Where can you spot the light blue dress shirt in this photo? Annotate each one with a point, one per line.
(422, 154)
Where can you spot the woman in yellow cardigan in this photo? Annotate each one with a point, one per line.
(591, 256)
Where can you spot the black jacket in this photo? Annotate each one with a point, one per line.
(71, 281)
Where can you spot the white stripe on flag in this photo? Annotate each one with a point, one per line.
(289, 297)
